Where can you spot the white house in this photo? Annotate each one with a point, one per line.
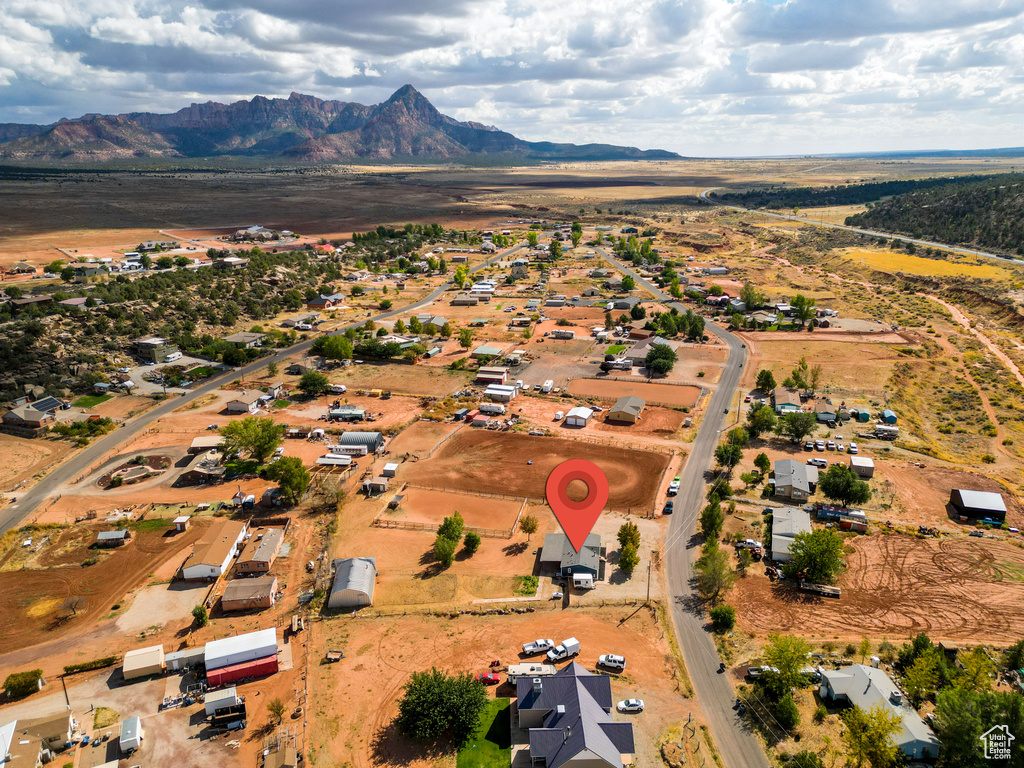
(246, 402)
(212, 556)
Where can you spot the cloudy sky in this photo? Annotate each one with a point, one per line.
(700, 77)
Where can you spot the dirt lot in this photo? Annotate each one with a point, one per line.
(380, 654)
(661, 423)
(420, 437)
(613, 388)
(423, 506)
(498, 465)
(31, 599)
(895, 586)
(389, 413)
(24, 458)
(429, 381)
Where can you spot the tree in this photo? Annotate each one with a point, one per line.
(976, 671)
(461, 274)
(437, 705)
(444, 550)
(446, 330)
(528, 525)
(555, 249)
(723, 618)
(765, 381)
(235, 357)
(803, 308)
(276, 708)
(763, 463)
(609, 321)
(384, 305)
(1014, 656)
(961, 718)
(314, 383)
(637, 311)
(840, 483)
(785, 712)
(796, 424)
(201, 615)
(415, 326)
(332, 347)
(750, 296)
(788, 654)
(660, 358)
(761, 420)
(814, 379)
(67, 274)
(452, 527)
(465, 338)
(164, 262)
(531, 238)
(628, 534)
(628, 283)
(73, 603)
(869, 735)
(291, 476)
(864, 649)
(713, 575)
(817, 554)
(922, 678)
(257, 436)
(471, 542)
(711, 521)
(271, 369)
(628, 558)
(728, 456)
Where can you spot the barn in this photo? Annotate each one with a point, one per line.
(354, 581)
(984, 505)
(369, 440)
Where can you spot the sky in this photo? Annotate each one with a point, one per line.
(698, 77)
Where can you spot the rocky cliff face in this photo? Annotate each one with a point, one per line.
(300, 128)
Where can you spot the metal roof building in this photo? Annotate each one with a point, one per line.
(143, 662)
(980, 504)
(578, 416)
(627, 409)
(787, 522)
(241, 648)
(369, 440)
(354, 582)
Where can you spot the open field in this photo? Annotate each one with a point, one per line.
(895, 586)
(959, 266)
(420, 505)
(612, 388)
(496, 461)
(24, 457)
(428, 381)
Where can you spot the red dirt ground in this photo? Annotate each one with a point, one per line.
(423, 506)
(420, 437)
(496, 463)
(612, 389)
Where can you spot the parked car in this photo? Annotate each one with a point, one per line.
(977, 533)
(840, 447)
(124, 369)
(746, 399)
(830, 445)
(673, 487)
(809, 446)
(611, 661)
(630, 705)
(819, 445)
(853, 448)
(538, 646)
(489, 678)
(670, 507)
(817, 462)
(566, 649)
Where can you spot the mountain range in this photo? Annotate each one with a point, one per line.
(302, 129)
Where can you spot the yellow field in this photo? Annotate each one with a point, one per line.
(965, 266)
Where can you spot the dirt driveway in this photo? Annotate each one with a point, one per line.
(159, 604)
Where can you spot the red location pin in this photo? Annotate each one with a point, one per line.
(577, 518)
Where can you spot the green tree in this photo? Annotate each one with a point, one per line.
(637, 312)
(869, 736)
(292, 476)
(840, 483)
(728, 456)
(415, 326)
(803, 308)
(385, 305)
(257, 436)
(67, 274)
(164, 262)
(20, 684)
(314, 383)
(628, 534)
(761, 420)
(276, 708)
(789, 655)
(711, 521)
(609, 321)
(714, 576)
(531, 238)
(628, 558)
(465, 338)
(461, 274)
(765, 381)
(922, 678)
(738, 436)
(452, 527)
(555, 249)
(864, 649)
(528, 525)
(723, 618)
(444, 550)
(271, 369)
(817, 554)
(201, 615)
(785, 712)
(1014, 656)
(660, 358)
(976, 671)
(332, 347)
(446, 330)
(796, 425)
(750, 296)
(628, 283)
(763, 463)
(471, 542)
(438, 706)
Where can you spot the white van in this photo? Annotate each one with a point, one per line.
(172, 357)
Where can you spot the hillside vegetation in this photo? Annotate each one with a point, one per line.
(843, 194)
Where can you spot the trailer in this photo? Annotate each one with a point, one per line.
(821, 589)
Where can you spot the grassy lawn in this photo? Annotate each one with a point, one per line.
(202, 372)
(89, 401)
(615, 349)
(490, 745)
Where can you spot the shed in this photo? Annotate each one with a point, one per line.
(390, 469)
(214, 701)
(238, 649)
(249, 594)
(978, 504)
(888, 416)
(230, 674)
(862, 465)
(375, 485)
(354, 582)
(143, 662)
(627, 409)
(112, 538)
(460, 414)
(578, 417)
(189, 657)
(492, 375)
(181, 523)
(131, 735)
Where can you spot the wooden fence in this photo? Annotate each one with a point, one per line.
(487, 533)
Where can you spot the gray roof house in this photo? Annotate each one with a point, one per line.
(786, 524)
(794, 480)
(785, 399)
(866, 687)
(569, 721)
(825, 411)
(558, 549)
(354, 582)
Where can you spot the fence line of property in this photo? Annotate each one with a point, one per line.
(408, 525)
(612, 398)
(513, 606)
(445, 439)
(464, 492)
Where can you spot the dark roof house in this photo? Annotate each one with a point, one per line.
(558, 549)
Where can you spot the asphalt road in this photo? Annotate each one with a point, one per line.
(14, 514)
(738, 746)
(870, 232)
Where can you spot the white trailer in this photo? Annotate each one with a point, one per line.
(548, 386)
(492, 408)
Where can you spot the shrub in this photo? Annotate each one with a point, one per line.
(471, 542)
(820, 714)
(88, 666)
(723, 618)
(201, 615)
(19, 684)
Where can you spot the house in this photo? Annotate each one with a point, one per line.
(500, 393)
(211, 557)
(824, 411)
(863, 415)
(637, 354)
(23, 742)
(888, 416)
(354, 582)
(591, 292)
(716, 271)
(29, 301)
(276, 390)
(601, 274)
(794, 480)
(154, 349)
(259, 555)
(763, 318)
(157, 245)
(614, 284)
(111, 539)
(627, 410)
(630, 231)
(249, 594)
(321, 302)
(246, 339)
(464, 300)
(19, 750)
(785, 400)
(26, 416)
(585, 565)
(205, 467)
(486, 350)
(21, 268)
(246, 402)
(297, 369)
(143, 662)
(346, 413)
(737, 305)
(867, 687)
(863, 466)
(306, 318)
(87, 269)
(426, 319)
(372, 441)
(568, 717)
(520, 272)
(787, 522)
(578, 416)
(978, 504)
(554, 302)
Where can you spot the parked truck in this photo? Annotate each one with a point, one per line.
(565, 650)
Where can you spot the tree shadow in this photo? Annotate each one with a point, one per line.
(390, 748)
(514, 550)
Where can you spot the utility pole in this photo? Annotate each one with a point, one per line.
(648, 583)
(66, 699)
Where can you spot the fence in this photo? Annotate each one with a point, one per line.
(445, 439)
(464, 492)
(487, 533)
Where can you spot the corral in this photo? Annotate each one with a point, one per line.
(428, 507)
(613, 388)
(420, 438)
(477, 460)
(896, 586)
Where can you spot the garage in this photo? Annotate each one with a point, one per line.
(143, 662)
(984, 505)
(578, 417)
(354, 582)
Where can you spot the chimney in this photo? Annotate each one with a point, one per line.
(538, 686)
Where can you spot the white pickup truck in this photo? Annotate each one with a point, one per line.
(565, 650)
(537, 646)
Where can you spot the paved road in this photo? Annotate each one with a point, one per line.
(871, 232)
(14, 514)
(739, 748)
